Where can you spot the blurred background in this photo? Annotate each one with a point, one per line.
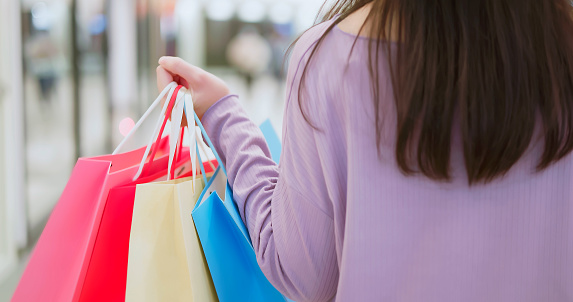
(72, 71)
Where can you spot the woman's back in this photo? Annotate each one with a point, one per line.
(434, 168)
(410, 238)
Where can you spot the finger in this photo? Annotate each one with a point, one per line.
(178, 66)
(181, 81)
(163, 78)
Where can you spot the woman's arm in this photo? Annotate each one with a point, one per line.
(286, 208)
(292, 235)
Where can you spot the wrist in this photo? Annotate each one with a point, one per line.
(218, 103)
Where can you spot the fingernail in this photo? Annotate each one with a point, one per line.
(161, 60)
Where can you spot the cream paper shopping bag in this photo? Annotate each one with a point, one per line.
(166, 262)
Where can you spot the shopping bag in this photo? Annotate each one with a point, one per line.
(272, 139)
(105, 280)
(57, 268)
(226, 242)
(165, 261)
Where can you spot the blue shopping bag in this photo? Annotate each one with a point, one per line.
(272, 140)
(226, 243)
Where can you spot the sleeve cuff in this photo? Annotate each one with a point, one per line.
(212, 112)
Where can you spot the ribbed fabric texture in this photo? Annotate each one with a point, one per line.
(336, 222)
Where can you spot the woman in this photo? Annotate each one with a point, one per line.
(426, 154)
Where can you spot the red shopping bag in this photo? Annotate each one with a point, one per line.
(57, 268)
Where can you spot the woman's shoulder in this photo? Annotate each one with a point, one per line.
(309, 39)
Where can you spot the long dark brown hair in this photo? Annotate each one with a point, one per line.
(499, 65)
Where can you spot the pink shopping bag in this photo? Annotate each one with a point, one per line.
(57, 268)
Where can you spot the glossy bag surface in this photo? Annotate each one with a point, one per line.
(226, 242)
(227, 247)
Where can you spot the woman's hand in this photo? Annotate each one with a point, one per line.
(205, 88)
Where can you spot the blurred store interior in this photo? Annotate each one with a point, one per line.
(72, 71)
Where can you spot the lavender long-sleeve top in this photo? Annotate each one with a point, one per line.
(335, 221)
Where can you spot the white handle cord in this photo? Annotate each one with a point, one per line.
(174, 135)
(156, 131)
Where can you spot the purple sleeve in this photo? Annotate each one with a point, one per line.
(286, 208)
